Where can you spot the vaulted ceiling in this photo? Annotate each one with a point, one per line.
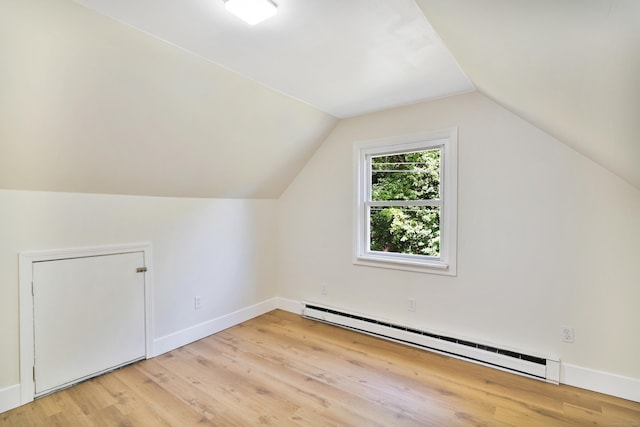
(571, 67)
(343, 57)
(179, 98)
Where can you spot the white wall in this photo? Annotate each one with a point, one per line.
(219, 249)
(546, 238)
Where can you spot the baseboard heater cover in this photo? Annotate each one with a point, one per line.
(533, 366)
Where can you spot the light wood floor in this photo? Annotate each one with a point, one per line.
(280, 369)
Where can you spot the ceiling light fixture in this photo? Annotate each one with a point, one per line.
(251, 11)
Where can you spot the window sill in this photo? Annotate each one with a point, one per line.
(432, 267)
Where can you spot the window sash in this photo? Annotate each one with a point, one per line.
(411, 148)
(446, 141)
(432, 202)
(369, 203)
(396, 255)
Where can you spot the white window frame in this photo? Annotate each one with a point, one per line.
(447, 141)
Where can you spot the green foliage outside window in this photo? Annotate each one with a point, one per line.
(406, 177)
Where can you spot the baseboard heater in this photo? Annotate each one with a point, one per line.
(533, 366)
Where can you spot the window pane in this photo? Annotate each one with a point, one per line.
(406, 176)
(406, 230)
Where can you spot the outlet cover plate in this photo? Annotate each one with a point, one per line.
(567, 334)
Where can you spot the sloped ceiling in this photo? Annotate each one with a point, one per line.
(90, 105)
(345, 58)
(212, 107)
(181, 99)
(571, 67)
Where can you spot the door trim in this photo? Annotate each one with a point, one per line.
(25, 263)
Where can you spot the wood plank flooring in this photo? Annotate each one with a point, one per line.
(280, 369)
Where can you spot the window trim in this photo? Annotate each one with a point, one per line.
(446, 264)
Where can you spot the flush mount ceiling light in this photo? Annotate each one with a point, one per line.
(251, 11)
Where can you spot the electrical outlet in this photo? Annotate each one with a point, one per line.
(197, 302)
(324, 289)
(567, 334)
(412, 304)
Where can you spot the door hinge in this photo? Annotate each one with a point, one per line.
(32, 291)
(141, 270)
(34, 374)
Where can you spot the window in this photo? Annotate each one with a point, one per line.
(406, 203)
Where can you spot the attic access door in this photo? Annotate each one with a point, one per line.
(88, 317)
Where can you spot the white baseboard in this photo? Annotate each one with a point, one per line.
(590, 379)
(9, 397)
(601, 382)
(577, 376)
(290, 305)
(194, 333)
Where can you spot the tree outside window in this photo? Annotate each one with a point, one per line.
(410, 222)
(406, 202)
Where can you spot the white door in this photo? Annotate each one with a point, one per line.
(88, 317)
